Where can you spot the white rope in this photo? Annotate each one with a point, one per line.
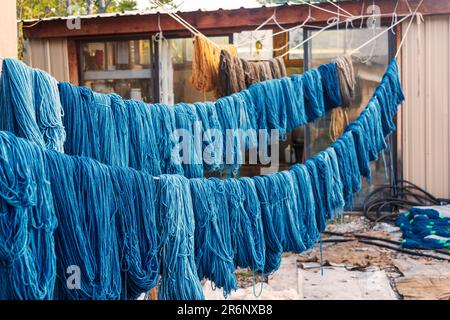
(322, 9)
(379, 35)
(414, 14)
(340, 8)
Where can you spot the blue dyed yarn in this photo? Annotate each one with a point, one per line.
(213, 249)
(258, 95)
(331, 87)
(370, 121)
(144, 155)
(78, 120)
(229, 120)
(176, 225)
(272, 226)
(274, 98)
(245, 223)
(164, 126)
(30, 105)
(249, 117)
(282, 199)
(48, 110)
(337, 187)
(348, 167)
(105, 128)
(27, 222)
(245, 110)
(186, 120)
(305, 205)
(121, 120)
(424, 228)
(212, 136)
(318, 192)
(389, 95)
(362, 153)
(324, 169)
(295, 107)
(313, 95)
(137, 236)
(86, 236)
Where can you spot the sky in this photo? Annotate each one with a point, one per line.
(208, 4)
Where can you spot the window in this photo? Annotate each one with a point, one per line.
(182, 53)
(369, 69)
(123, 67)
(295, 38)
(254, 45)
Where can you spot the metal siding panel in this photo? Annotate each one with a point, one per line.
(426, 116)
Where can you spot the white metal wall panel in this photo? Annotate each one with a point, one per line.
(425, 117)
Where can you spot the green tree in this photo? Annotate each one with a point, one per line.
(127, 5)
(168, 3)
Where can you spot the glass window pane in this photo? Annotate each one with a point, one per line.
(295, 38)
(254, 45)
(123, 67)
(369, 69)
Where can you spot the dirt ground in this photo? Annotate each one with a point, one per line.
(351, 265)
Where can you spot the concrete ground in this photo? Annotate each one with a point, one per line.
(350, 270)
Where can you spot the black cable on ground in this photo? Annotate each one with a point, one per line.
(367, 240)
(386, 201)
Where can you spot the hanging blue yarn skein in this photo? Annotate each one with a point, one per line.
(213, 249)
(245, 110)
(259, 99)
(121, 125)
(331, 85)
(272, 226)
(77, 120)
(295, 108)
(164, 124)
(229, 120)
(27, 222)
(249, 117)
(348, 166)
(86, 238)
(337, 187)
(136, 230)
(282, 199)
(48, 110)
(187, 122)
(18, 113)
(212, 136)
(305, 205)
(318, 192)
(275, 107)
(176, 225)
(362, 153)
(313, 95)
(246, 225)
(144, 154)
(106, 129)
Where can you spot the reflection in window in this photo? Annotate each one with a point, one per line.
(369, 69)
(295, 38)
(123, 67)
(254, 45)
(182, 54)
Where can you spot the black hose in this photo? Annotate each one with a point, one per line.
(402, 195)
(367, 240)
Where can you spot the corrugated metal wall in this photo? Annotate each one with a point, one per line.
(50, 55)
(425, 118)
